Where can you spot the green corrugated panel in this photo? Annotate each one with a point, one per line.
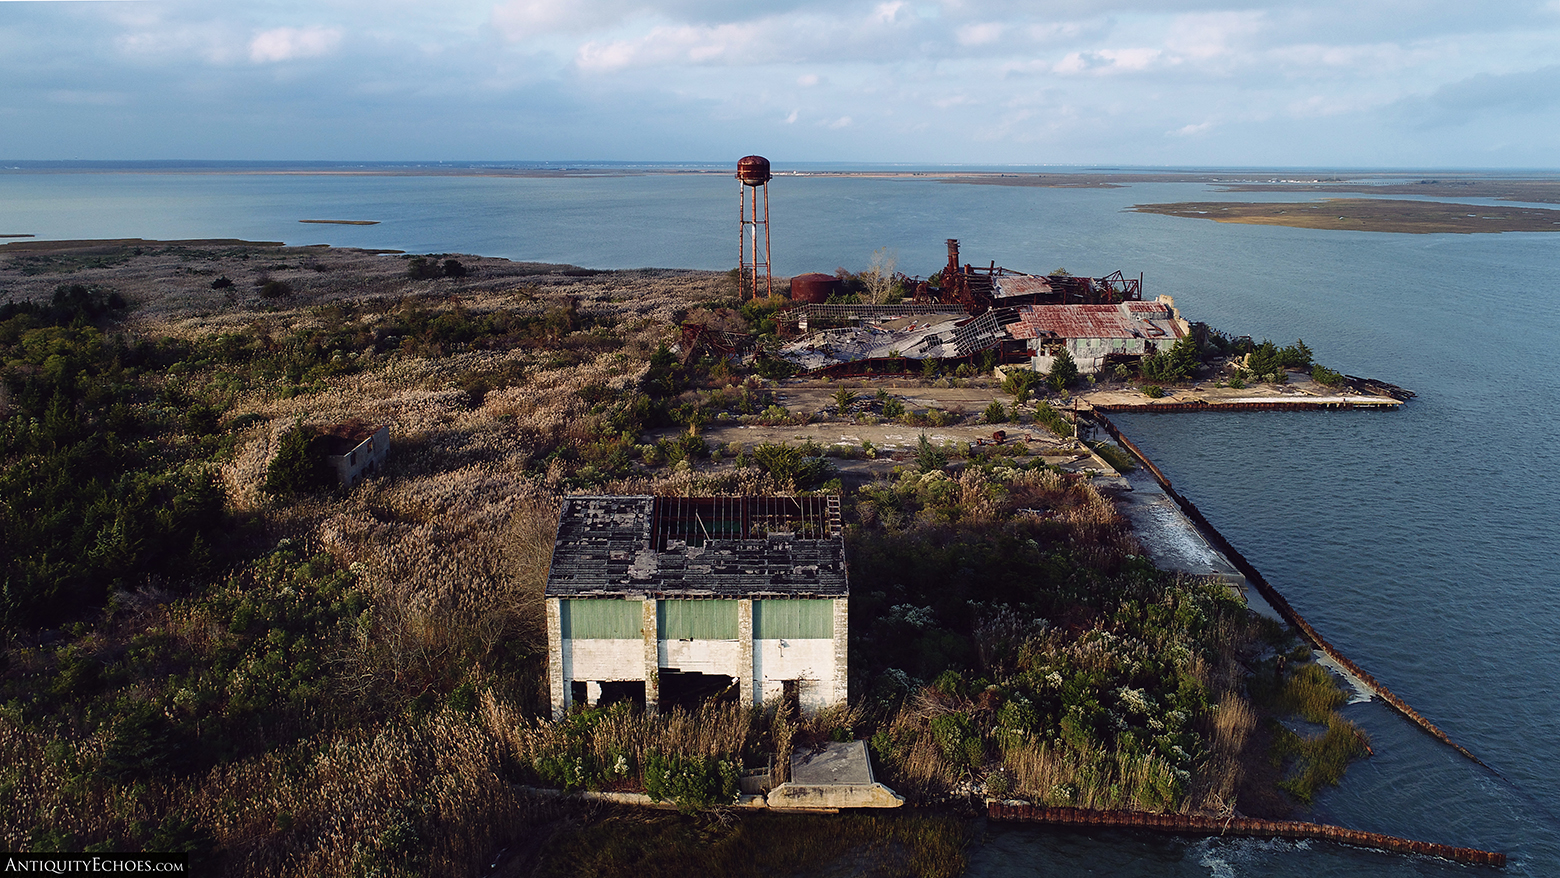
(603, 619)
(696, 620)
(793, 620)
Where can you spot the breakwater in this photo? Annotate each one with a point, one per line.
(1236, 826)
(1272, 596)
(1285, 405)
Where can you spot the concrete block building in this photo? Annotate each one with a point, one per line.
(667, 600)
(1094, 334)
(355, 449)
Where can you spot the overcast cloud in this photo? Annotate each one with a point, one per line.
(1177, 82)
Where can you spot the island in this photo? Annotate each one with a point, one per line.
(285, 586)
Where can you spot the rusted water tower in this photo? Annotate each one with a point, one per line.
(753, 175)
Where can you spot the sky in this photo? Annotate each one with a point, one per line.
(1207, 83)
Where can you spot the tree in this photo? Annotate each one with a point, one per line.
(298, 467)
(928, 457)
(879, 276)
(1063, 370)
(844, 398)
(1020, 383)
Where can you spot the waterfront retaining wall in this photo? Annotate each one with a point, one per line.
(1235, 826)
(1271, 595)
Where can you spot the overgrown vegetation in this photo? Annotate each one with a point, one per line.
(203, 651)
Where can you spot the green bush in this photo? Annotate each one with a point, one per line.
(996, 413)
(1052, 420)
(928, 457)
(691, 783)
(299, 466)
(1063, 371)
(1152, 391)
(1325, 376)
(796, 467)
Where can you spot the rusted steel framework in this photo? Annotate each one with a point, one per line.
(973, 287)
(753, 176)
(699, 336)
(695, 521)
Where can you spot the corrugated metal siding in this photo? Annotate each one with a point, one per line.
(696, 620)
(793, 620)
(606, 619)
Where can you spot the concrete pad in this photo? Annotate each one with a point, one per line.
(838, 777)
(1169, 538)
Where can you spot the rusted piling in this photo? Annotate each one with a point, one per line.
(1276, 600)
(1237, 826)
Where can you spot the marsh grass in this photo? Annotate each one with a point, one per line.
(1318, 761)
(1309, 691)
(760, 845)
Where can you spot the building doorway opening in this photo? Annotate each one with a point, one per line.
(688, 689)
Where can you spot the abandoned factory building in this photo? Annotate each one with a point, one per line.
(667, 600)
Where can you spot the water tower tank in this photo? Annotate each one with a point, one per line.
(753, 170)
(814, 288)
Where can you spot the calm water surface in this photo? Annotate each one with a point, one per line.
(1422, 542)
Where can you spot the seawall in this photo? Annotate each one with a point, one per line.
(1272, 596)
(1236, 826)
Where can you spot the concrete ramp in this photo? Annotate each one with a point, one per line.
(838, 777)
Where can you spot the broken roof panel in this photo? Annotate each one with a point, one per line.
(1126, 320)
(698, 547)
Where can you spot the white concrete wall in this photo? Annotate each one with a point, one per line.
(793, 659)
(703, 657)
(809, 662)
(604, 660)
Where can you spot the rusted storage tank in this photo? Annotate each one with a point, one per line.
(753, 170)
(813, 288)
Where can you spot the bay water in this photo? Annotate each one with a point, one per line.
(1423, 543)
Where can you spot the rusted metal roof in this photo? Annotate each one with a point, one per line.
(1126, 320)
(1021, 285)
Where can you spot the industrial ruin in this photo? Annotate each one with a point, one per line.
(668, 600)
(965, 314)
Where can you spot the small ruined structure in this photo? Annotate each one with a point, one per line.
(354, 449)
(667, 600)
(978, 289)
(1095, 334)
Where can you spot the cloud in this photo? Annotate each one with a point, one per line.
(807, 80)
(1108, 61)
(1192, 130)
(1519, 94)
(288, 43)
(889, 13)
(524, 19)
(979, 34)
(727, 43)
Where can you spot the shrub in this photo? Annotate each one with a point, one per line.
(1063, 370)
(996, 413)
(299, 466)
(1052, 420)
(1152, 391)
(275, 289)
(1020, 383)
(691, 783)
(928, 457)
(1325, 376)
(797, 467)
